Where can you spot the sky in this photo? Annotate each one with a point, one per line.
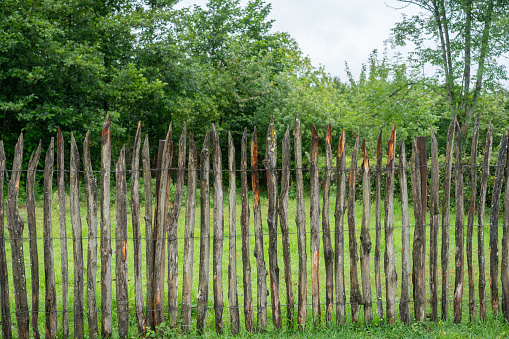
(332, 32)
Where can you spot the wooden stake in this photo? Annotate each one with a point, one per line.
(339, 216)
(365, 236)
(314, 224)
(404, 306)
(378, 226)
(434, 225)
(504, 270)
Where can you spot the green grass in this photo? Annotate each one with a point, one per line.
(495, 326)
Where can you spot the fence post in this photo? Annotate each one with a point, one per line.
(314, 220)
(446, 208)
(270, 165)
(365, 236)
(49, 265)
(4, 272)
(504, 270)
(339, 216)
(434, 225)
(244, 227)
(470, 222)
(232, 242)
(378, 227)
(172, 231)
(283, 222)
(187, 275)
(300, 221)
(203, 284)
(404, 306)
(91, 185)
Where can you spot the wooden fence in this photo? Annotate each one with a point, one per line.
(156, 292)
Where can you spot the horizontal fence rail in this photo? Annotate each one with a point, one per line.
(162, 275)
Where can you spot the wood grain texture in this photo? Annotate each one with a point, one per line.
(270, 163)
(244, 227)
(434, 226)
(378, 227)
(283, 222)
(15, 225)
(149, 230)
(365, 236)
(203, 282)
(504, 269)
(63, 234)
(4, 272)
(232, 241)
(49, 263)
(300, 221)
(314, 221)
(187, 270)
(91, 189)
(339, 216)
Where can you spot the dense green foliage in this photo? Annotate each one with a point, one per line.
(64, 63)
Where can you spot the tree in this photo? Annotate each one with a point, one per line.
(463, 40)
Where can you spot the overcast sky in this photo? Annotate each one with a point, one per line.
(332, 32)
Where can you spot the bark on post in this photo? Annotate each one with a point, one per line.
(480, 222)
(74, 204)
(300, 221)
(261, 271)
(434, 225)
(63, 234)
(339, 216)
(355, 294)
(135, 215)
(91, 186)
(390, 257)
(49, 265)
(244, 227)
(470, 221)
(404, 306)
(106, 284)
(217, 250)
(495, 209)
(202, 299)
(187, 271)
(32, 233)
(232, 266)
(270, 165)
(149, 226)
(418, 253)
(160, 229)
(121, 247)
(15, 225)
(378, 226)
(314, 221)
(365, 236)
(4, 273)
(504, 270)
(283, 222)
(446, 209)
(172, 231)
(459, 230)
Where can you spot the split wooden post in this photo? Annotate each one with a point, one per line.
(217, 242)
(495, 209)
(261, 271)
(378, 228)
(270, 165)
(4, 272)
(121, 246)
(339, 216)
(49, 264)
(172, 231)
(328, 253)
(32, 234)
(106, 283)
(91, 188)
(74, 204)
(480, 222)
(446, 210)
(202, 298)
(15, 225)
(459, 230)
(355, 294)
(232, 266)
(418, 253)
(434, 226)
(187, 271)
(283, 222)
(300, 221)
(404, 306)
(365, 236)
(470, 221)
(504, 270)
(390, 257)
(244, 227)
(314, 221)
(135, 217)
